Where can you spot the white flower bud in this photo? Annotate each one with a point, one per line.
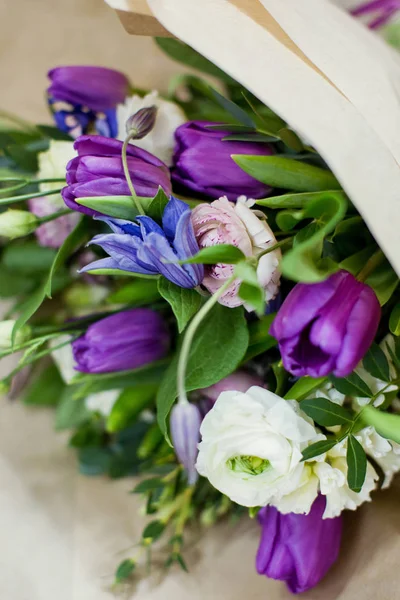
(17, 223)
(6, 327)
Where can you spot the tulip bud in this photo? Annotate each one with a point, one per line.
(6, 328)
(141, 123)
(17, 223)
(185, 432)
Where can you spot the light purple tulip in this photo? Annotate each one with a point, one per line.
(98, 171)
(126, 340)
(298, 549)
(185, 424)
(326, 327)
(203, 163)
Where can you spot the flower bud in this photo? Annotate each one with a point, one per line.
(185, 432)
(6, 328)
(17, 223)
(141, 123)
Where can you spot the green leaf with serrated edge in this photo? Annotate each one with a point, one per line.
(326, 413)
(287, 173)
(155, 209)
(253, 295)
(135, 293)
(300, 262)
(303, 387)
(208, 362)
(154, 530)
(120, 207)
(186, 55)
(386, 424)
(299, 200)
(376, 363)
(124, 570)
(352, 385)
(318, 448)
(147, 485)
(221, 253)
(394, 321)
(31, 306)
(129, 405)
(356, 464)
(185, 303)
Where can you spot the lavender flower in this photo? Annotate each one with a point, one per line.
(298, 549)
(127, 340)
(326, 327)
(151, 250)
(98, 171)
(185, 424)
(203, 163)
(82, 97)
(381, 11)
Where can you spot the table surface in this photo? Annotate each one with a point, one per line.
(63, 534)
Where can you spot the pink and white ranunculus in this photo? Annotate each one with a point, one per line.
(223, 222)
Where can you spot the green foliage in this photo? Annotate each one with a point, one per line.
(136, 293)
(394, 321)
(124, 570)
(297, 200)
(28, 258)
(384, 281)
(386, 424)
(211, 255)
(156, 208)
(356, 464)
(209, 361)
(326, 413)
(250, 290)
(260, 340)
(154, 530)
(71, 412)
(352, 385)
(148, 485)
(120, 207)
(303, 387)
(185, 303)
(318, 448)
(46, 388)
(375, 362)
(129, 405)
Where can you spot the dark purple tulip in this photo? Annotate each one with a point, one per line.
(185, 424)
(98, 171)
(298, 549)
(326, 327)
(381, 11)
(150, 249)
(126, 340)
(203, 163)
(84, 96)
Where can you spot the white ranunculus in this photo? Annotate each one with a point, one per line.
(102, 402)
(251, 446)
(160, 141)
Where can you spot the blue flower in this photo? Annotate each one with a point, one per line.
(149, 249)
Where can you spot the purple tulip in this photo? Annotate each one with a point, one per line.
(83, 96)
(203, 163)
(298, 549)
(98, 171)
(126, 340)
(185, 424)
(151, 250)
(326, 327)
(381, 10)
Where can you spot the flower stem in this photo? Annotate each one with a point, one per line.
(274, 247)
(189, 335)
(374, 262)
(23, 197)
(54, 216)
(135, 199)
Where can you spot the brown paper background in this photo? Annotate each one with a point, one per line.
(62, 533)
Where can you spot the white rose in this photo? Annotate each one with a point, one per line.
(251, 446)
(160, 141)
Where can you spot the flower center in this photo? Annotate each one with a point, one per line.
(253, 465)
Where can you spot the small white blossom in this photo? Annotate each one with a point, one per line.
(102, 402)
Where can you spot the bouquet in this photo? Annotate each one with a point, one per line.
(193, 292)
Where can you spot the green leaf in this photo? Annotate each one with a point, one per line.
(303, 387)
(54, 133)
(129, 405)
(299, 200)
(136, 293)
(156, 208)
(94, 461)
(46, 389)
(209, 361)
(352, 385)
(287, 173)
(186, 55)
(318, 448)
(221, 253)
(124, 570)
(28, 258)
(375, 362)
(154, 530)
(356, 464)
(70, 412)
(119, 273)
(120, 207)
(394, 321)
(14, 284)
(147, 485)
(253, 295)
(326, 413)
(247, 272)
(260, 339)
(150, 442)
(233, 109)
(386, 424)
(185, 303)
(300, 263)
(384, 281)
